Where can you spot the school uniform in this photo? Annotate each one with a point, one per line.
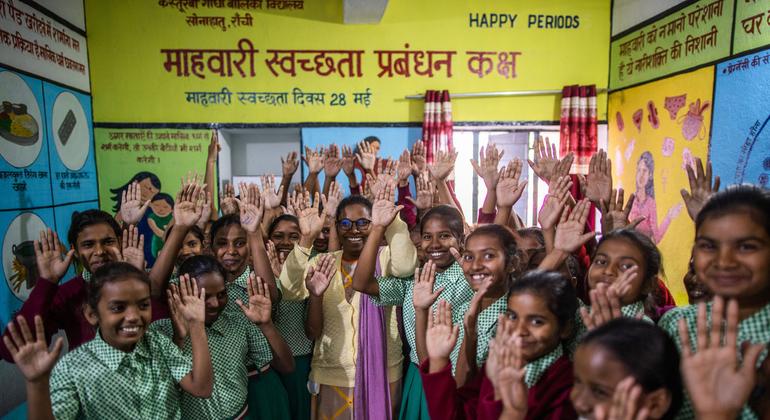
(290, 323)
(396, 291)
(755, 329)
(267, 397)
(97, 380)
(486, 327)
(549, 381)
(632, 310)
(234, 346)
(60, 305)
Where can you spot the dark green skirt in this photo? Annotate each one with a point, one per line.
(295, 384)
(267, 397)
(413, 403)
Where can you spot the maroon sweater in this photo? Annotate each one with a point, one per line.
(548, 399)
(61, 307)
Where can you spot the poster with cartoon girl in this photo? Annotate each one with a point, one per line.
(149, 185)
(645, 206)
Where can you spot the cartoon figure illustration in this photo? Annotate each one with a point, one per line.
(692, 122)
(150, 186)
(645, 206)
(668, 146)
(637, 118)
(162, 206)
(24, 266)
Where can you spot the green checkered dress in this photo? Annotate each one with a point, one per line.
(97, 380)
(235, 345)
(486, 327)
(87, 276)
(396, 291)
(631, 311)
(536, 369)
(755, 329)
(290, 322)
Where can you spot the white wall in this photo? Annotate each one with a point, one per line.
(249, 152)
(627, 13)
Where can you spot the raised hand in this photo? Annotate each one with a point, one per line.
(133, 248)
(503, 339)
(332, 200)
(365, 156)
(443, 165)
(332, 162)
(419, 164)
(52, 263)
(701, 188)
(30, 354)
(509, 188)
(441, 336)
(471, 316)
(314, 159)
(252, 205)
(320, 276)
(348, 160)
(276, 261)
(214, 147)
(289, 165)
(486, 167)
(260, 307)
(204, 201)
(271, 196)
(384, 209)
(563, 167)
(622, 285)
(546, 159)
(569, 233)
(605, 306)
(554, 203)
(188, 209)
(718, 383)
(404, 168)
(626, 403)
(310, 221)
(423, 295)
(614, 215)
(181, 327)
(227, 200)
(598, 183)
(190, 301)
(510, 382)
(424, 189)
(131, 207)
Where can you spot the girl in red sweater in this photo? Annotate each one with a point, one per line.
(539, 316)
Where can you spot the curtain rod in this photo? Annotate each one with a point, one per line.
(501, 93)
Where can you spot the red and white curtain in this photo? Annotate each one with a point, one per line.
(436, 123)
(578, 125)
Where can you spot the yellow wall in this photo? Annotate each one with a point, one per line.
(130, 84)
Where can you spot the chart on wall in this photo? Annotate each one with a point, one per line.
(741, 132)
(655, 131)
(155, 158)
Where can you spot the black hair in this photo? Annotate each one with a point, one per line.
(109, 273)
(117, 193)
(504, 235)
(451, 216)
(279, 219)
(224, 221)
(646, 351)
(738, 198)
(199, 265)
(194, 229)
(372, 139)
(649, 250)
(84, 219)
(533, 232)
(350, 201)
(552, 286)
(165, 197)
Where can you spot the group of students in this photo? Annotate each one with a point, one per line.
(299, 303)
